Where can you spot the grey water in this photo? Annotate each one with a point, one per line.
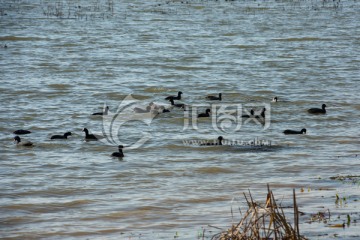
(65, 60)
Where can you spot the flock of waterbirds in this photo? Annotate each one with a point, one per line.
(157, 109)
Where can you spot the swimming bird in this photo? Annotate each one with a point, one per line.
(214, 97)
(61, 136)
(179, 105)
(162, 109)
(89, 136)
(120, 153)
(303, 131)
(275, 99)
(154, 106)
(251, 114)
(21, 132)
(219, 142)
(178, 97)
(262, 114)
(157, 109)
(19, 143)
(105, 112)
(205, 114)
(318, 110)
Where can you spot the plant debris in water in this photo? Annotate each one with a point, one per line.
(320, 217)
(263, 221)
(355, 179)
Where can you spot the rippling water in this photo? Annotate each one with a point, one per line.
(65, 61)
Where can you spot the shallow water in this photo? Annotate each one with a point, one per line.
(55, 72)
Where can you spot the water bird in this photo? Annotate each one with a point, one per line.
(205, 114)
(105, 112)
(89, 136)
(21, 132)
(120, 153)
(262, 114)
(251, 114)
(214, 97)
(179, 105)
(19, 143)
(275, 99)
(178, 97)
(61, 136)
(219, 142)
(157, 109)
(303, 131)
(154, 106)
(318, 110)
(162, 109)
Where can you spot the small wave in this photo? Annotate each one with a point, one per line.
(189, 68)
(48, 207)
(24, 92)
(348, 141)
(15, 38)
(140, 97)
(76, 203)
(137, 212)
(65, 45)
(271, 148)
(60, 86)
(241, 46)
(357, 106)
(214, 170)
(206, 200)
(264, 92)
(176, 147)
(112, 95)
(301, 39)
(25, 154)
(17, 220)
(162, 174)
(158, 90)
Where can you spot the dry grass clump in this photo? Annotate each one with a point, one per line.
(264, 222)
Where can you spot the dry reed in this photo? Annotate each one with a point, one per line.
(263, 222)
